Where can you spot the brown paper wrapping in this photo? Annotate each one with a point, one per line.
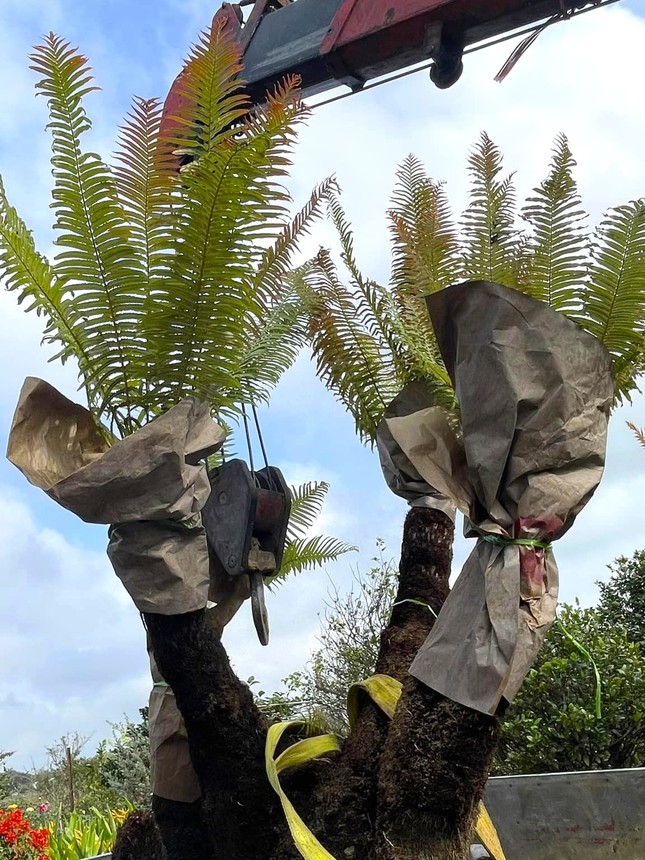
(534, 392)
(172, 775)
(151, 486)
(400, 474)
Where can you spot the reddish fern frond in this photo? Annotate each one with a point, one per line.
(638, 432)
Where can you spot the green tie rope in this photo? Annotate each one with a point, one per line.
(500, 540)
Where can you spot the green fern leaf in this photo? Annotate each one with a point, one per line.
(99, 265)
(143, 176)
(352, 362)
(277, 260)
(277, 321)
(372, 301)
(369, 341)
(489, 233)
(614, 301)
(307, 553)
(275, 339)
(425, 248)
(227, 205)
(306, 504)
(26, 271)
(557, 263)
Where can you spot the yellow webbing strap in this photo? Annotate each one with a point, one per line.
(299, 753)
(384, 692)
(487, 835)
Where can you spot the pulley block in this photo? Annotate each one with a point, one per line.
(246, 518)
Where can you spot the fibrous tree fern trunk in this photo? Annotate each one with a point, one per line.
(345, 799)
(226, 736)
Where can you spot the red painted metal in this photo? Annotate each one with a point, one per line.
(361, 19)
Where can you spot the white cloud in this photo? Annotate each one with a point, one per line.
(72, 642)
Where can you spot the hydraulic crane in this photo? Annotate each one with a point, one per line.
(333, 42)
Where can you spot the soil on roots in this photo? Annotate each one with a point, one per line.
(342, 808)
(182, 829)
(138, 839)
(433, 772)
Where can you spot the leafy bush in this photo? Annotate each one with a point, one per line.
(552, 725)
(350, 638)
(81, 836)
(123, 764)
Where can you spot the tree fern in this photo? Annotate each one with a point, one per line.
(168, 284)
(556, 267)
(367, 346)
(228, 203)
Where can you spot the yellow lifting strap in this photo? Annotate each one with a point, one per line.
(385, 692)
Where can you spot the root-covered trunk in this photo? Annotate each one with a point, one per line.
(398, 789)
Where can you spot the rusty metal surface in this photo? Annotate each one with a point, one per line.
(595, 815)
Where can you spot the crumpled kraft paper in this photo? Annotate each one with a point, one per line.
(172, 775)
(150, 486)
(534, 391)
(399, 473)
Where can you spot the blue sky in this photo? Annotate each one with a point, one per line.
(71, 644)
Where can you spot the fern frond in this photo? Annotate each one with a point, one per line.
(276, 262)
(228, 205)
(614, 302)
(275, 339)
(276, 323)
(639, 433)
(352, 362)
(211, 95)
(489, 233)
(307, 553)
(143, 176)
(372, 301)
(413, 330)
(557, 263)
(425, 247)
(24, 270)
(100, 264)
(306, 504)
